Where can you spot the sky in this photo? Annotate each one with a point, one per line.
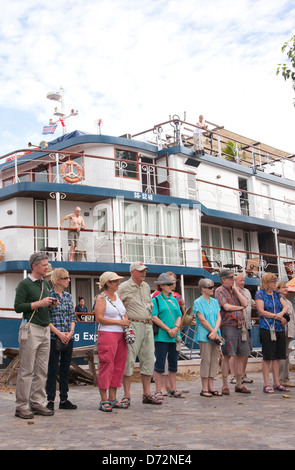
(133, 63)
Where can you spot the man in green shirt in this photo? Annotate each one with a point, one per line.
(32, 299)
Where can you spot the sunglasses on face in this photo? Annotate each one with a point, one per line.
(210, 287)
(65, 278)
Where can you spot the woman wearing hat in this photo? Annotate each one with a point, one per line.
(110, 313)
(167, 315)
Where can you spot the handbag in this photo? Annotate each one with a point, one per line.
(24, 329)
(129, 333)
(155, 326)
(59, 346)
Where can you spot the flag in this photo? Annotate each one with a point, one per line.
(62, 122)
(49, 129)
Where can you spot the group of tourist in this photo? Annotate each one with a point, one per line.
(133, 324)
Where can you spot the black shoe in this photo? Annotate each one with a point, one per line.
(50, 405)
(67, 405)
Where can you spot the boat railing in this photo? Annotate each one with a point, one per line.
(219, 142)
(146, 179)
(116, 246)
(251, 264)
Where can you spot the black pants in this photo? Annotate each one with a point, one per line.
(64, 358)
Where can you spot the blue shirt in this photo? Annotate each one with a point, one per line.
(272, 304)
(210, 311)
(63, 314)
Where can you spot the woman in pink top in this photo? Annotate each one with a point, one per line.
(110, 313)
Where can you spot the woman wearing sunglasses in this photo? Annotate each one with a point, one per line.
(62, 326)
(207, 311)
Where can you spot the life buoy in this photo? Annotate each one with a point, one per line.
(71, 176)
(2, 250)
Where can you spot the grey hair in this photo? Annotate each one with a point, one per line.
(204, 282)
(36, 258)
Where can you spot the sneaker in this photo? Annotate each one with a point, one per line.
(67, 405)
(232, 380)
(41, 410)
(50, 405)
(246, 380)
(24, 414)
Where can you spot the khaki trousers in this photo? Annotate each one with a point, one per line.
(32, 375)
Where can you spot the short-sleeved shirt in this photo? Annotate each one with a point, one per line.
(272, 304)
(137, 299)
(63, 314)
(167, 309)
(224, 296)
(210, 311)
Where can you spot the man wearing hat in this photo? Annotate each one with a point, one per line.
(136, 296)
(232, 303)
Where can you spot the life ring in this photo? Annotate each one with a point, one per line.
(2, 250)
(71, 176)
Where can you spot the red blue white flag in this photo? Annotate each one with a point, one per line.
(49, 129)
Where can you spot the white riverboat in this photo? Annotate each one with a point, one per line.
(148, 197)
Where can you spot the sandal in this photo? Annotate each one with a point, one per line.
(105, 406)
(150, 399)
(268, 389)
(176, 394)
(206, 393)
(215, 393)
(117, 404)
(159, 395)
(225, 391)
(126, 401)
(281, 388)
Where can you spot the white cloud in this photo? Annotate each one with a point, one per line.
(134, 63)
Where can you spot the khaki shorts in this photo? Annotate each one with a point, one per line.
(143, 349)
(234, 346)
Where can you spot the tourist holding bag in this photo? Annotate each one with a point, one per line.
(167, 315)
(110, 313)
(271, 308)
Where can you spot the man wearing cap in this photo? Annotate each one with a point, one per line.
(136, 296)
(33, 299)
(232, 303)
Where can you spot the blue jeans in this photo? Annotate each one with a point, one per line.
(162, 350)
(64, 358)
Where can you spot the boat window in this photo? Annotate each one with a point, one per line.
(129, 168)
(40, 221)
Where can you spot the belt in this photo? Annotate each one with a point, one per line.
(142, 321)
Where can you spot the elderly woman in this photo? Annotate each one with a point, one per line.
(62, 326)
(271, 308)
(167, 315)
(208, 317)
(284, 365)
(110, 313)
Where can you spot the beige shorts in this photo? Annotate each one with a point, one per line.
(143, 349)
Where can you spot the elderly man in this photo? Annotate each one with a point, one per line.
(136, 296)
(240, 283)
(32, 299)
(232, 304)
